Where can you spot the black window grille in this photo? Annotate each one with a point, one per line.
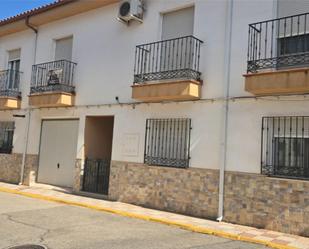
(167, 142)
(285, 146)
(6, 137)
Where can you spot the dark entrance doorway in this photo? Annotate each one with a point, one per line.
(98, 152)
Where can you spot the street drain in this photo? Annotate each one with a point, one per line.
(28, 247)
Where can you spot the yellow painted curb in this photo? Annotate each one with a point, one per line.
(181, 225)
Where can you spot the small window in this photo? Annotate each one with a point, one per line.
(64, 49)
(167, 142)
(285, 146)
(6, 137)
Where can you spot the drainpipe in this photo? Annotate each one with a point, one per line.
(35, 30)
(226, 80)
(25, 148)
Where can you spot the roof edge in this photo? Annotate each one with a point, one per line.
(55, 11)
(34, 11)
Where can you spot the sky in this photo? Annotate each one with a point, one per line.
(12, 7)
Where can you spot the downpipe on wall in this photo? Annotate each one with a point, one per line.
(28, 115)
(227, 68)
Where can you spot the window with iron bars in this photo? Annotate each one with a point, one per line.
(285, 146)
(167, 142)
(6, 137)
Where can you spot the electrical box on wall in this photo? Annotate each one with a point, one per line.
(131, 10)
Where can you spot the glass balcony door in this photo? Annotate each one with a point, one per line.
(13, 70)
(176, 54)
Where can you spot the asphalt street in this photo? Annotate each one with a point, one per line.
(25, 220)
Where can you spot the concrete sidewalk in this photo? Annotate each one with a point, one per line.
(237, 232)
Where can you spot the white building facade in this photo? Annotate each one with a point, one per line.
(164, 113)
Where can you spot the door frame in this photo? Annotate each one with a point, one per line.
(41, 129)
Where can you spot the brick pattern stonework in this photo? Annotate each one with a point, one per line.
(264, 202)
(250, 199)
(187, 191)
(78, 176)
(10, 168)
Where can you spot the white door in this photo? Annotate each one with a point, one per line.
(58, 152)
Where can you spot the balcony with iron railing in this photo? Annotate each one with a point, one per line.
(278, 56)
(52, 84)
(10, 95)
(167, 70)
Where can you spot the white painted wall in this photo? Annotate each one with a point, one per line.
(104, 50)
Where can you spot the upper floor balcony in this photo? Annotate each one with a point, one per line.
(278, 56)
(10, 95)
(168, 70)
(52, 84)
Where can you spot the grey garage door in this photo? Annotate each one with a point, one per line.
(58, 152)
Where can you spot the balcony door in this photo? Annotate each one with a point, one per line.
(59, 71)
(13, 69)
(293, 33)
(176, 53)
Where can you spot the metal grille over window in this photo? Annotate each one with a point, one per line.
(167, 142)
(6, 137)
(285, 147)
(279, 43)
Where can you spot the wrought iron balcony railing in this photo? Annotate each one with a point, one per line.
(55, 76)
(279, 43)
(9, 83)
(177, 58)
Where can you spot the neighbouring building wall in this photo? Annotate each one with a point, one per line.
(25, 42)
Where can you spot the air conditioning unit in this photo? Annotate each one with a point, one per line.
(131, 10)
